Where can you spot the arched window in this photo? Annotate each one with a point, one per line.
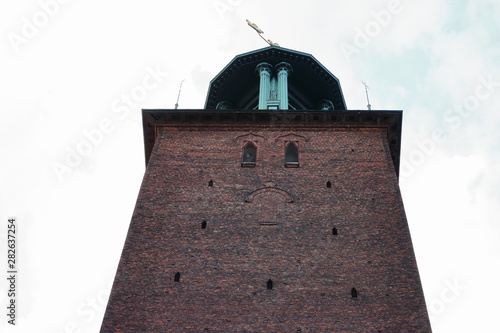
(354, 293)
(177, 277)
(328, 184)
(204, 224)
(210, 183)
(334, 231)
(249, 155)
(291, 155)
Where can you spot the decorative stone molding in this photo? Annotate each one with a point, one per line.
(287, 196)
(291, 137)
(249, 137)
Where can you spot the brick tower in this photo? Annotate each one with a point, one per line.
(273, 209)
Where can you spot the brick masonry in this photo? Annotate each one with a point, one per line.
(268, 222)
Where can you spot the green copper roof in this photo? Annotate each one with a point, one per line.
(311, 82)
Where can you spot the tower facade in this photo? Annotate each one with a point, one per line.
(273, 209)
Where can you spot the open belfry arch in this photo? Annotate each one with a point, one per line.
(273, 209)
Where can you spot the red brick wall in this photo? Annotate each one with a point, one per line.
(268, 222)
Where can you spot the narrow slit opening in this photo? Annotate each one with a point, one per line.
(269, 284)
(354, 293)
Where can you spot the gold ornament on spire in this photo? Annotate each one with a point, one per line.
(255, 27)
(260, 32)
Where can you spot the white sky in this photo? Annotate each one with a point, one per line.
(66, 74)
